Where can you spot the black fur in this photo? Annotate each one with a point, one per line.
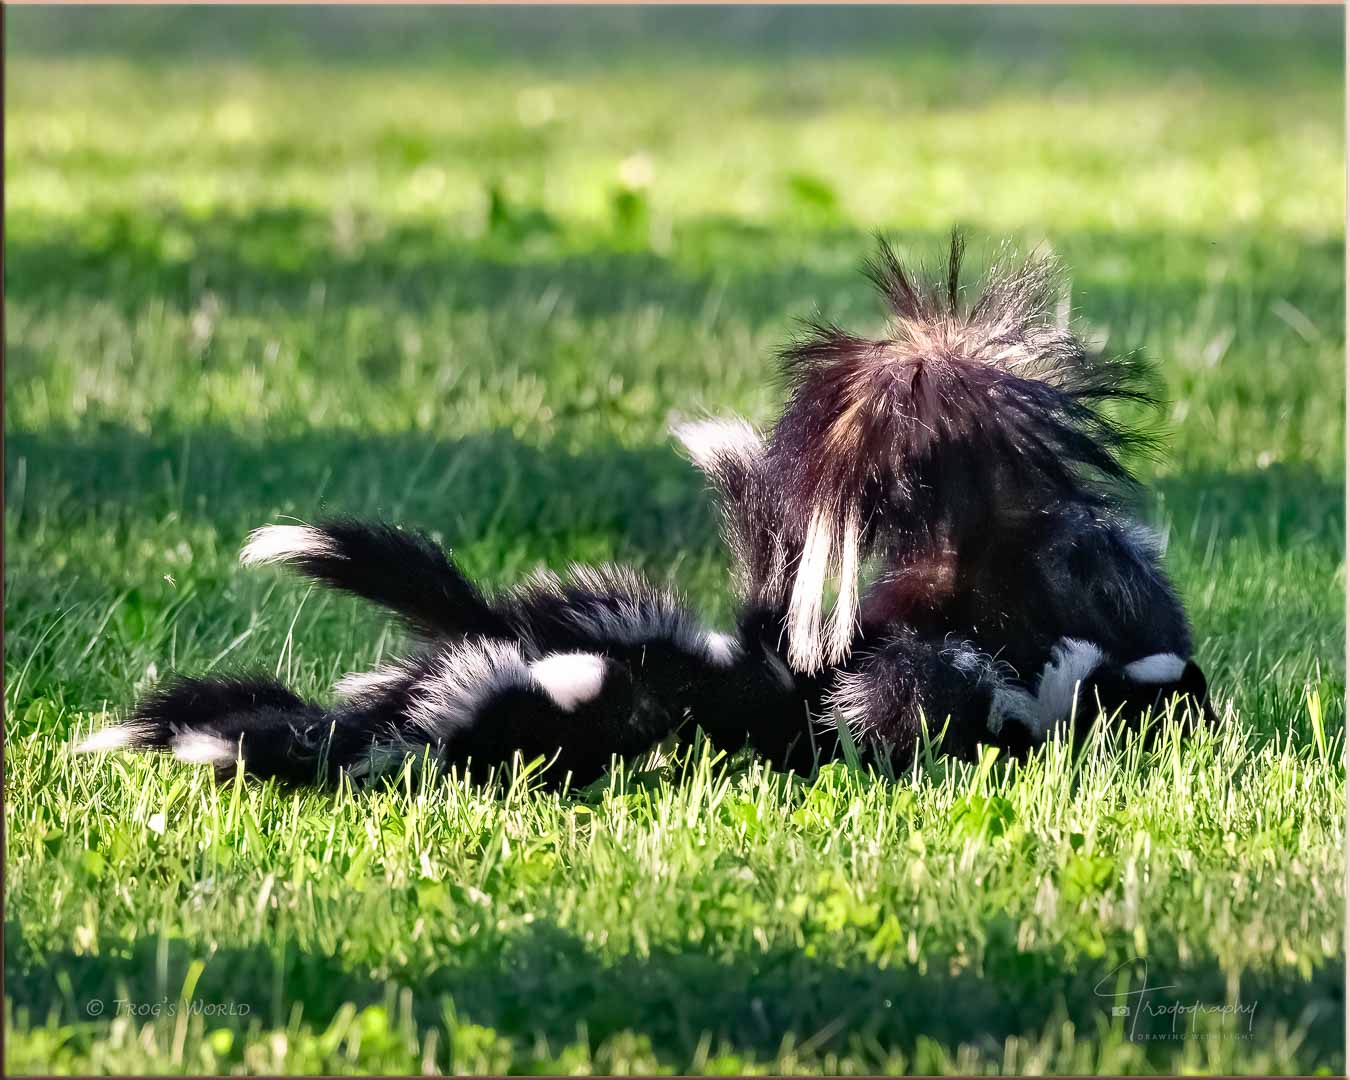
(975, 455)
(404, 571)
(961, 482)
(574, 670)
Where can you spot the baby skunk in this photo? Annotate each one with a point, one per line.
(959, 484)
(574, 670)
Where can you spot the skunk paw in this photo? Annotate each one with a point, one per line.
(1012, 703)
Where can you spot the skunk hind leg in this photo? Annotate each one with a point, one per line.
(888, 695)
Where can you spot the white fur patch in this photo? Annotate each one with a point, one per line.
(964, 659)
(360, 683)
(108, 738)
(1163, 667)
(282, 543)
(710, 442)
(570, 679)
(809, 646)
(808, 596)
(844, 624)
(1071, 662)
(848, 700)
(202, 749)
(723, 649)
(465, 678)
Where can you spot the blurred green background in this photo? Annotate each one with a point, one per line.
(461, 267)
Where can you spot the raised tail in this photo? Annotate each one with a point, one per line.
(948, 435)
(406, 572)
(733, 456)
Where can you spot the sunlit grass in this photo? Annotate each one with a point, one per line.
(465, 283)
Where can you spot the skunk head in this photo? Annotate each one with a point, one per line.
(1147, 685)
(1083, 682)
(754, 696)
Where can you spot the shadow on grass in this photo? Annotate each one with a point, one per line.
(959, 58)
(504, 506)
(649, 499)
(545, 982)
(282, 261)
(1280, 506)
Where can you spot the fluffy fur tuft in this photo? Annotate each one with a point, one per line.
(953, 429)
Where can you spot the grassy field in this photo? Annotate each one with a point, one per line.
(460, 268)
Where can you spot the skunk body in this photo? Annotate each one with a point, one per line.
(957, 484)
(573, 670)
(972, 459)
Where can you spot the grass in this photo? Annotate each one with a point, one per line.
(460, 268)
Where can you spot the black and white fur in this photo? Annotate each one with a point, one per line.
(573, 669)
(959, 484)
(970, 459)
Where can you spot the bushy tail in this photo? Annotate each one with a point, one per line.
(949, 434)
(406, 572)
(217, 721)
(733, 456)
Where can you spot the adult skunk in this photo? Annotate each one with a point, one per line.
(966, 458)
(970, 456)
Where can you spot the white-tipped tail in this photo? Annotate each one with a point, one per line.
(710, 442)
(109, 738)
(282, 543)
(570, 679)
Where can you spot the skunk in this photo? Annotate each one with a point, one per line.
(573, 670)
(971, 457)
(957, 483)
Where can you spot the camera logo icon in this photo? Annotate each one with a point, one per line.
(1120, 1010)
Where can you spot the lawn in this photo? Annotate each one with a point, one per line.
(460, 268)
